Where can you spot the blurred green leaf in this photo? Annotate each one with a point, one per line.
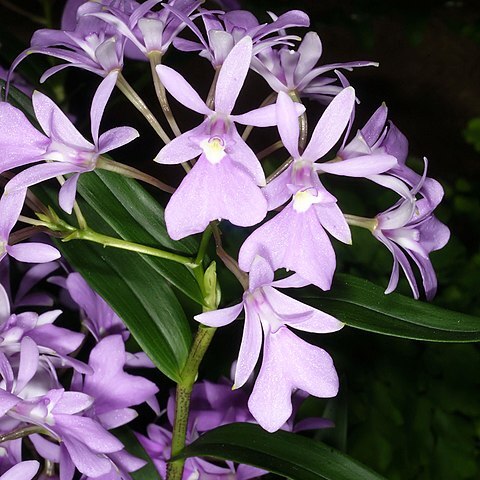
(293, 456)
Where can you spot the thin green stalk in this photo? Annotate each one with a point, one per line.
(107, 241)
(203, 245)
(140, 105)
(156, 59)
(363, 222)
(270, 149)
(21, 433)
(189, 374)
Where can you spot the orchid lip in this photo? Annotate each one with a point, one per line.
(214, 149)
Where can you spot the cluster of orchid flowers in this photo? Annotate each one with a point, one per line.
(225, 181)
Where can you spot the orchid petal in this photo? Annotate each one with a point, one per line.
(310, 51)
(183, 148)
(288, 125)
(56, 124)
(232, 76)
(181, 90)
(100, 99)
(31, 252)
(261, 273)
(331, 125)
(67, 193)
(363, 166)
(24, 470)
(221, 317)
(115, 138)
(250, 346)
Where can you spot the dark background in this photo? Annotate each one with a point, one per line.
(410, 410)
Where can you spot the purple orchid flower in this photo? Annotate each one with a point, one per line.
(379, 137)
(63, 147)
(93, 45)
(230, 28)
(24, 470)
(295, 238)
(410, 227)
(289, 363)
(294, 71)
(150, 31)
(99, 317)
(228, 173)
(11, 205)
(114, 390)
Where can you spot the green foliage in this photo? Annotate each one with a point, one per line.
(287, 454)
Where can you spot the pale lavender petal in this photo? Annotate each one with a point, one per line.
(56, 124)
(375, 125)
(242, 154)
(429, 278)
(310, 51)
(68, 468)
(289, 363)
(40, 173)
(33, 276)
(117, 418)
(308, 319)
(48, 450)
(261, 273)
(89, 432)
(221, 317)
(68, 192)
(20, 142)
(260, 117)
(288, 125)
(331, 125)
(100, 99)
(4, 305)
(221, 43)
(434, 235)
(183, 148)
(61, 340)
(359, 166)
(23, 470)
(28, 363)
(250, 346)
(7, 401)
(87, 461)
(392, 183)
(72, 402)
(232, 76)
(333, 221)
(211, 192)
(396, 144)
(31, 252)
(111, 387)
(115, 138)
(295, 241)
(181, 90)
(276, 191)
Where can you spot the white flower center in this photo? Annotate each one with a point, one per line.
(303, 200)
(214, 149)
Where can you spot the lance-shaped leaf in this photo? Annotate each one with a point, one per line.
(361, 304)
(287, 454)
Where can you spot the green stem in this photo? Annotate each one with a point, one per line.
(363, 222)
(107, 241)
(21, 433)
(203, 245)
(140, 105)
(182, 401)
(156, 59)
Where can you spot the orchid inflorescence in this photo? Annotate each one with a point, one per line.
(293, 215)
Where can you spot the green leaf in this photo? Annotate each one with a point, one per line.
(134, 215)
(283, 453)
(133, 446)
(363, 305)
